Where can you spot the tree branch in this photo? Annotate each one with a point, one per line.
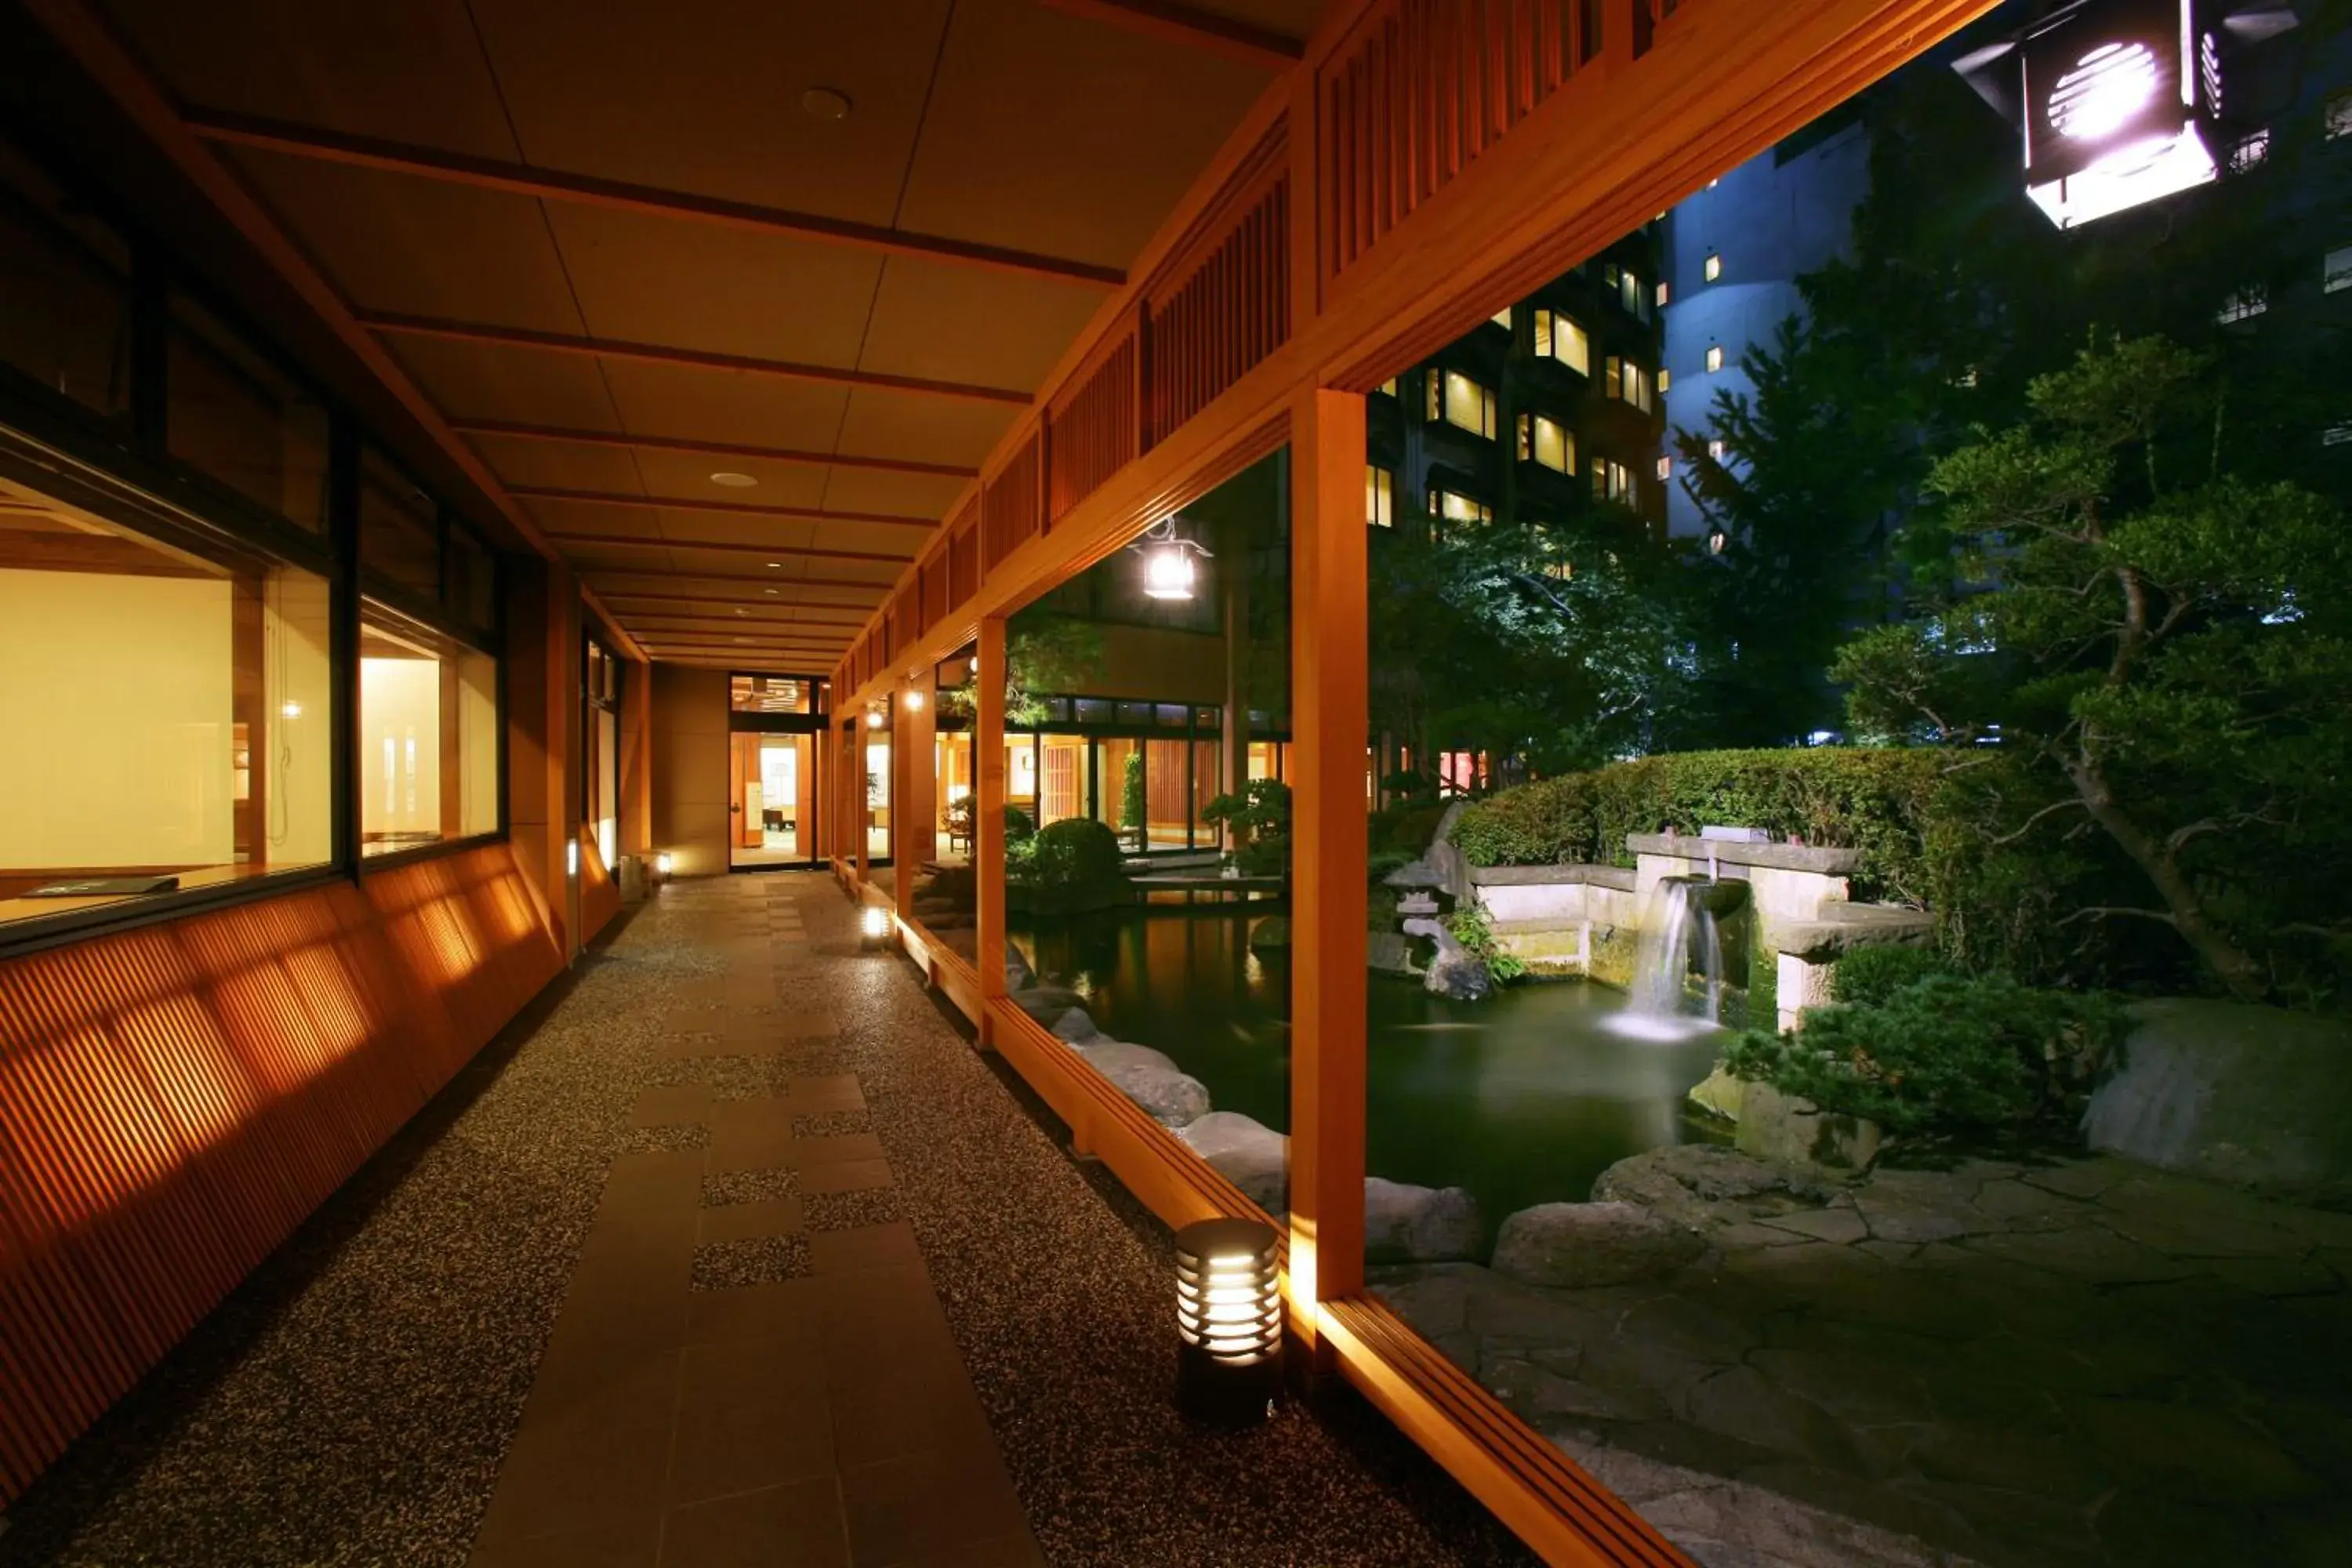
(2100, 909)
(2030, 823)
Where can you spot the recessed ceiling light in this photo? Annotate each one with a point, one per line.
(772, 593)
(742, 611)
(825, 103)
(733, 480)
(743, 640)
(775, 565)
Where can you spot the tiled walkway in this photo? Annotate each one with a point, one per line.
(745, 1371)
(733, 1251)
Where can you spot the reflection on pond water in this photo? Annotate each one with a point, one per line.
(1523, 1098)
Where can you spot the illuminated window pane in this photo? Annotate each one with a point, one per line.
(1714, 268)
(1714, 358)
(237, 419)
(1552, 446)
(1559, 337)
(1388, 387)
(1665, 468)
(2251, 300)
(2250, 149)
(1629, 291)
(1665, 379)
(2340, 115)
(1664, 293)
(1468, 405)
(1502, 318)
(1715, 450)
(428, 765)
(1456, 508)
(1380, 497)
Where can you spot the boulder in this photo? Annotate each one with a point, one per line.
(1246, 1152)
(1076, 1025)
(2255, 1095)
(1389, 952)
(1404, 1223)
(1440, 867)
(1271, 934)
(1456, 973)
(1787, 1131)
(1044, 1003)
(1018, 976)
(1572, 1246)
(1167, 1094)
(1682, 1183)
(1720, 1094)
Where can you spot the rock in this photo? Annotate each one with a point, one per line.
(1788, 1131)
(1455, 972)
(1441, 866)
(1420, 1224)
(1018, 975)
(1720, 1093)
(1573, 1246)
(1075, 1027)
(1044, 1003)
(1842, 927)
(1682, 1181)
(1270, 934)
(1389, 952)
(1167, 1094)
(1246, 1152)
(2255, 1095)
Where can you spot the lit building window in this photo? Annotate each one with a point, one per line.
(1547, 442)
(1629, 292)
(1559, 337)
(1714, 358)
(1715, 450)
(1628, 383)
(1454, 507)
(1468, 405)
(1665, 379)
(2336, 272)
(1388, 387)
(1611, 481)
(1502, 318)
(2340, 116)
(2251, 300)
(2251, 148)
(1664, 293)
(1380, 497)
(1714, 268)
(1665, 468)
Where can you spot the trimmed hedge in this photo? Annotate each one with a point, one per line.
(1879, 800)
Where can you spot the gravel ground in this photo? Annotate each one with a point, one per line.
(352, 1403)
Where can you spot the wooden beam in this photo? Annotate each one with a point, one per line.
(849, 622)
(722, 508)
(1329, 718)
(397, 325)
(589, 190)
(873, 592)
(1190, 28)
(511, 430)
(644, 542)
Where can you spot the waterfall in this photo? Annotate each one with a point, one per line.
(1677, 927)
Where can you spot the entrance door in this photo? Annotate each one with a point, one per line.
(771, 800)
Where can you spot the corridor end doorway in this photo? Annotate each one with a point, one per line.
(772, 723)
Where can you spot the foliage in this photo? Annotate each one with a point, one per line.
(1408, 829)
(1260, 819)
(1046, 654)
(1872, 974)
(1076, 852)
(1408, 784)
(1380, 862)
(1943, 1055)
(1019, 841)
(1877, 800)
(1468, 926)
(2160, 647)
(1134, 804)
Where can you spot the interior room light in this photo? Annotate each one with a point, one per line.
(1228, 1320)
(664, 863)
(289, 708)
(571, 858)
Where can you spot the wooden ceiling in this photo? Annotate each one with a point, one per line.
(622, 248)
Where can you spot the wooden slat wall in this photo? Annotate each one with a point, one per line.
(1227, 314)
(1092, 431)
(1419, 89)
(1009, 504)
(175, 1099)
(600, 890)
(963, 553)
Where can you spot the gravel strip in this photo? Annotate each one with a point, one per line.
(755, 1260)
(732, 1187)
(666, 1140)
(832, 1124)
(848, 1211)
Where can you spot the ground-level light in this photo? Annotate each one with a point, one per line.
(1228, 1320)
(663, 863)
(873, 925)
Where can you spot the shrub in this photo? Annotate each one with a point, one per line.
(1548, 823)
(1943, 1055)
(1019, 827)
(1408, 829)
(1380, 862)
(1469, 927)
(1076, 852)
(1261, 820)
(1875, 974)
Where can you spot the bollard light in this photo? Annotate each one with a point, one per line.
(663, 863)
(1228, 1320)
(874, 926)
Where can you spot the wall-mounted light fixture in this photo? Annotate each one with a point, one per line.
(1170, 560)
(1228, 1320)
(571, 858)
(2117, 100)
(873, 926)
(914, 702)
(874, 718)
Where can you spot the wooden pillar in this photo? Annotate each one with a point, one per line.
(1329, 716)
(988, 814)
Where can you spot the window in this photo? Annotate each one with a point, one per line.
(65, 296)
(1663, 294)
(1665, 379)
(1714, 268)
(1502, 318)
(1665, 468)
(1559, 337)
(1388, 387)
(400, 528)
(429, 733)
(1714, 358)
(1451, 506)
(2335, 269)
(236, 419)
(2250, 149)
(600, 690)
(1628, 285)
(1715, 450)
(1627, 383)
(1468, 405)
(1611, 481)
(2247, 302)
(2340, 116)
(1380, 497)
(166, 695)
(1546, 441)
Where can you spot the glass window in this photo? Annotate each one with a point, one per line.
(429, 735)
(2340, 116)
(1714, 268)
(1629, 383)
(1380, 496)
(1547, 442)
(1502, 318)
(1714, 358)
(400, 527)
(2247, 302)
(770, 694)
(1559, 337)
(1468, 405)
(1094, 711)
(2335, 269)
(64, 294)
(601, 690)
(1454, 506)
(167, 703)
(473, 596)
(2251, 148)
(235, 417)
(1135, 712)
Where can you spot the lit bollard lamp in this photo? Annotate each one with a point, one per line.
(1228, 1320)
(873, 927)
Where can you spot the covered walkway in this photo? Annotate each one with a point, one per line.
(733, 1251)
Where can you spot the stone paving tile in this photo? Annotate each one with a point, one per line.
(831, 1123)
(742, 1221)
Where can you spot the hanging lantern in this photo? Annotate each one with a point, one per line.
(1168, 572)
(1228, 1320)
(2119, 102)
